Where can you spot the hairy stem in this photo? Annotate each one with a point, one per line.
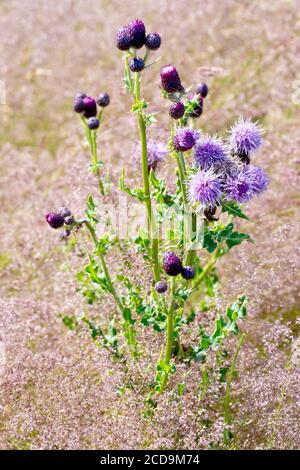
(128, 327)
(229, 380)
(169, 335)
(144, 160)
(92, 140)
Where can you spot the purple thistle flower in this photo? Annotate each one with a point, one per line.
(55, 220)
(188, 273)
(170, 80)
(90, 107)
(176, 110)
(137, 33)
(202, 90)
(245, 137)
(184, 139)
(245, 183)
(172, 263)
(161, 287)
(205, 187)
(123, 39)
(209, 151)
(153, 41)
(103, 100)
(136, 64)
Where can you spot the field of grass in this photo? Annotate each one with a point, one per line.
(58, 389)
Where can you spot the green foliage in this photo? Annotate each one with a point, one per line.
(216, 235)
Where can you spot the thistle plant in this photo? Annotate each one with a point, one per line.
(213, 178)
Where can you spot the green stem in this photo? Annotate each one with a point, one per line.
(152, 234)
(230, 377)
(113, 291)
(92, 140)
(169, 335)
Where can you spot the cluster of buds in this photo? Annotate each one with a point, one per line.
(132, 37)
(172, 87)
(87, 106)
(173, 266)
(61, 218)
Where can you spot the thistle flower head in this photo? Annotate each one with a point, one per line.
(161, 287)
(78, 102)
(153, 41)
(123, 39)
(209, 151)
(90, 107)
(184, 139)
(137, 33)
(103, 100)
(136, 64)
(245, 137)
(170, 80)
(202, 90)
(172, 263)
(245, 183)
(188, 273)
(156, 152)
(205, 187)
(55, 220)
(176, 110)
(93, 123)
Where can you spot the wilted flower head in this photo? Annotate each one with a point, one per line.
(170, 80)
(156, 152)
(184, 139)
(205, 187)
(244, 183)
(245, 137)
(172, 263)
(137, 33)
(209, 151)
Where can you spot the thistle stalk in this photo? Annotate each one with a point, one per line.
(169, 335)
(92, 141)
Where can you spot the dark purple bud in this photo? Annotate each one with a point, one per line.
(55, 220)
(69, 220)
(64, 212)
(172, 263)
(136, 64)
(184, 139)
(153, 41)
(188, 273)
(161, 287)
(122, 39)
(198, 110)
(90, 107)
(176, 110)
(103, 100)
(170, 80)
(137, 33)
(93, 123)
(202, 90)
(78, 103)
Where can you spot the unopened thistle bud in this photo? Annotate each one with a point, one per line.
(161, 287)
(172, 263)
(122, 39)
(188, 273)
(93, 123)
(202, 90)
(170, 80)
(103, 100)
(90, 107)
(137, 33)
(136, 64)
(55, 220)
(153, 41)
(176, 110)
